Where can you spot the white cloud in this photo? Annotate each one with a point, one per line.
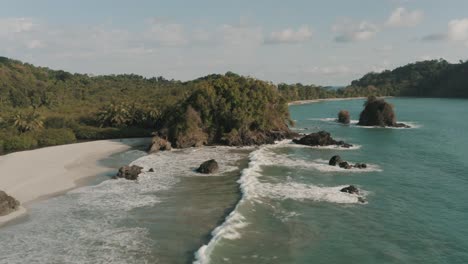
(401, 17)
(167, 34)
(15, 25)
(329, 70)
(349, 31)
(34, 44)
(384, 49)
(240, 35)
(458, 29)
(290, 35)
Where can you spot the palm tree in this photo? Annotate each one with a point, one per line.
(25, 122)
(114, 115)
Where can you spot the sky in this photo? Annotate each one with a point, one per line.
(323, 42)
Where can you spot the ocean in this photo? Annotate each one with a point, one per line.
(276, 203)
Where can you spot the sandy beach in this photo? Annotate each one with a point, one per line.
(330, 99)
(32, 175)
(323, 100)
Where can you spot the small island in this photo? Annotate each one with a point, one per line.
(377, 112)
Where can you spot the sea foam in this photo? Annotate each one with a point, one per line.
(353, 123)
(253, 190)
(99, 224)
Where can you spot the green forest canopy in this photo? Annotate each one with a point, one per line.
(41, 107)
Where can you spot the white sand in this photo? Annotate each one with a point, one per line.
(331, 99)
(30, 175)
(323, 100)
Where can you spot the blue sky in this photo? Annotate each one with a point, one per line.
(322, 42)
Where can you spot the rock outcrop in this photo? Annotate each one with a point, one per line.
(321, 138)
(336, 160)
(343, 117)
(159, 144)
(208, 167)
(8, 204)
(360, 165)
(350, 189)
(129, 172)
(377, 112)
(345, 165)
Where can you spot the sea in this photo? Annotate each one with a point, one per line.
(277, 203)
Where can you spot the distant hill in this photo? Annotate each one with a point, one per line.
(433, 78)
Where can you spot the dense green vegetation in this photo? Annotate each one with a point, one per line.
(434, 78)
(39, 104)
(228, 109)
(42, 107)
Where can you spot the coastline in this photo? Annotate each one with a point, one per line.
(301, 102)
(34, 175)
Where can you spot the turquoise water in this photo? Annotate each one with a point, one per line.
(284, 206)
(416, 210)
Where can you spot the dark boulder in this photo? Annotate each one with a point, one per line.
(335, 160)
(343, 144)
(208, 167)
(8, 204)
(360, 165)
(345, 165)
(401, 125)
(343, 117)
(361, 200)
(129, 172)
(350, 189)
(377, 112)
(321, 138)
(159, 144)
(151, 170)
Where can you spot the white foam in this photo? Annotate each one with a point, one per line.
(97, 224)
(254, 191)
(322, 165)
(301, 192)
(353, 123)
(327, 119)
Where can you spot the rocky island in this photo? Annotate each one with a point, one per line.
(320, 139)
(377, 112)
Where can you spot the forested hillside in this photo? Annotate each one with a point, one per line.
(42, 107)
(434, 78)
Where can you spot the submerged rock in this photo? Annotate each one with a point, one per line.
(8, 204)
(335, 160)
(402, 125)
(208, 167)
(321, 138)
(350, 189)
(129, 172)
(343, 117)
(360, 165)
(159, 144)
(345, 165)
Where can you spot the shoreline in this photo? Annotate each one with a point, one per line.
(301, 102)
(35, 175)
